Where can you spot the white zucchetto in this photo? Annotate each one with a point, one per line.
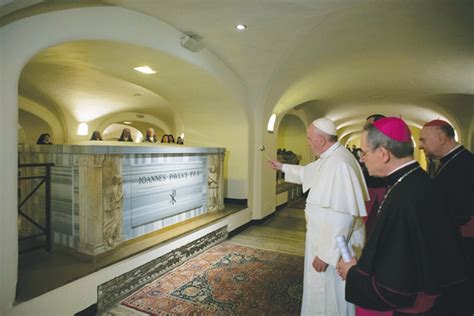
(325, 125)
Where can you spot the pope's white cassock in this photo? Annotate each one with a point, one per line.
(334, 207)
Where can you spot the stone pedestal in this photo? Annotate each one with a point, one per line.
(100, 203)
(103, 195)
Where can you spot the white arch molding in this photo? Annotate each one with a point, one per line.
(351, 137)
(301, 116)
(43, 113)
(20, 41)
(470, 141)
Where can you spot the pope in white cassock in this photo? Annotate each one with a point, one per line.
(334, 206)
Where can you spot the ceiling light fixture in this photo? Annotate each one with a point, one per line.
(241, 27)
(127, 122)
(83, 129)
(145, 70)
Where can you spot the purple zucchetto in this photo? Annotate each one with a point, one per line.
(394, 128)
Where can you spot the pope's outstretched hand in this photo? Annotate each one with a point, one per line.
(275, 164)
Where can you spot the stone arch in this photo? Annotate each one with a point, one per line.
(45, 115)
(23, 39)
(299, 140)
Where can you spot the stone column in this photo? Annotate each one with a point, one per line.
(100, 203)
(112, 189)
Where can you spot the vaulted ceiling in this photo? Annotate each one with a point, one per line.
(341, 58)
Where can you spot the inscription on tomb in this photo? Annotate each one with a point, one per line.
(154, 191)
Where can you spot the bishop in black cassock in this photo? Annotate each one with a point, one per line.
(376, 187)
(455, 180)
(413, 253)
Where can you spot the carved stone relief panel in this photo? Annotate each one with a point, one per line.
(112, 200)
(215, 182)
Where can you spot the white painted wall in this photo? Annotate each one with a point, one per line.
(264, 180)
(20, 41)
(57, 131)
(292, 136)
(268, 182)
(232, 135)
(35, 126)
(8, 161)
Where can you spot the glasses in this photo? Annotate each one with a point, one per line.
(363, 153)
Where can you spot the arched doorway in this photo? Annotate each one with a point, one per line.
(226, 109)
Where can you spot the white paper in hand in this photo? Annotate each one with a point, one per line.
(342, 244)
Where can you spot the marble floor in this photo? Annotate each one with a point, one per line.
(283, 232)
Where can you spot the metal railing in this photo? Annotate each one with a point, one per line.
(46, 229)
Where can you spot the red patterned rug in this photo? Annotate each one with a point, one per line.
(227, 279)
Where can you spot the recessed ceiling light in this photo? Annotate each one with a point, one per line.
(241, 27)
(145, 70)
(127, 122)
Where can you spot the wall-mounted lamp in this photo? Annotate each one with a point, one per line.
(83, 129)
(271, 123)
